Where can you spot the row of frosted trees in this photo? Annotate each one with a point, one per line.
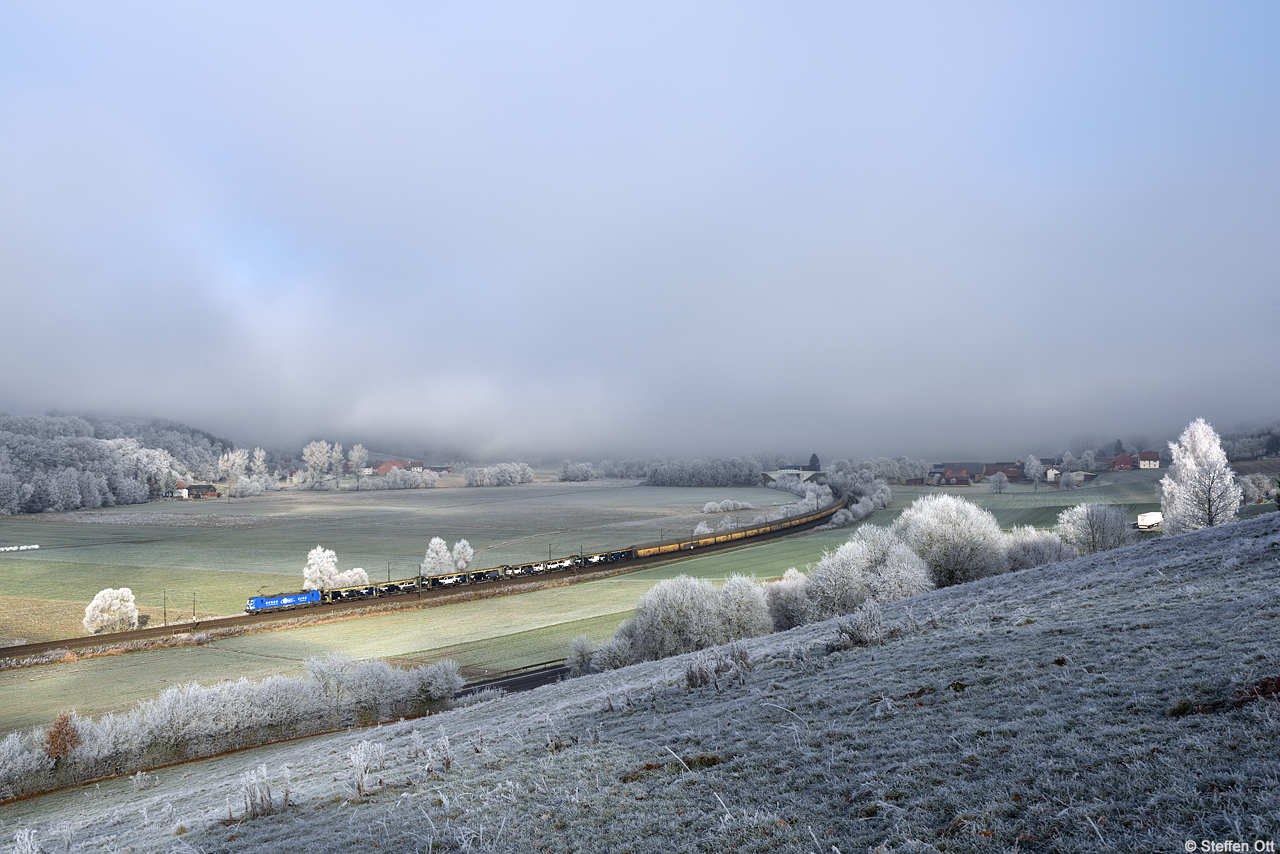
(192, 721)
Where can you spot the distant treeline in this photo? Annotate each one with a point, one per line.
(65, 462)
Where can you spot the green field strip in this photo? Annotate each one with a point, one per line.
(523, 649)
(216, 593)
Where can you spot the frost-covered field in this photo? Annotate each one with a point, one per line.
(220, 552)
(1022, 712)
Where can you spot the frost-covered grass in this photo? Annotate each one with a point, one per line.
(1028, 711)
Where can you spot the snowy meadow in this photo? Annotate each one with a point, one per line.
(1125, 700)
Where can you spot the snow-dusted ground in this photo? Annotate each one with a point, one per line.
(1028, 712)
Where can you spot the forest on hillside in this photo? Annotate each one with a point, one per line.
(66, 462)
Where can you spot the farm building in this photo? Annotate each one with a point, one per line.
(203, 491)
(1148, 459)
(399, 463)
(1013, 471)
(1123, 462)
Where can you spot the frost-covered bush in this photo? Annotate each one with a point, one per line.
(786, 600)
(571, 472)
(743, 611)
(1027, 547)
(502, 474)
(618, 652)
(20, 764)
(702, 530)
(865, 626)
(112, 610)
(1090, 528)
(581, 650)
(682, 615)
(958, 540)
(726, 506)
(399, 478)
(872, 564)
(677, 615)
(366, 759)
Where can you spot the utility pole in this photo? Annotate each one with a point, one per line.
(165, 599)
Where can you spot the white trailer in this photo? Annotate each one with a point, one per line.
(1148, 521)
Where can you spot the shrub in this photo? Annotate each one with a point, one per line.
(678, 615)
(871, 564)
(786, 600)
(743, 612)
(959, 541)
(1027, 547)
(618, 652)
(581, 651)
(62, 737)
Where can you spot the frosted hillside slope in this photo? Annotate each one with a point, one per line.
(1027, 711)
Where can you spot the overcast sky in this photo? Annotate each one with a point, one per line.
(609, 229)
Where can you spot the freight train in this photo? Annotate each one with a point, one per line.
(462, 578)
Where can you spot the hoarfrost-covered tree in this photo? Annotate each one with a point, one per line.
(575, 472)
(358, 457)
(437, 560)
(258, 465)
(322, 565)
(1200, 490)
(1091, 528)
(958, 540)
(112, 610)
(316, 458)
(335, 460)
(999, 482)
(232, 465)
(321, 572)
(462, 554)
(1033, 470)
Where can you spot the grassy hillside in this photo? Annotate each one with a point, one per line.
(1120, 702)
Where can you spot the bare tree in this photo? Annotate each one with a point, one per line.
(999, 482)
(1090, 528)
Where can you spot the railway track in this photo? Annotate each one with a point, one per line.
(416, 599)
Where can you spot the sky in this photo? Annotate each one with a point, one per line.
(495, 230)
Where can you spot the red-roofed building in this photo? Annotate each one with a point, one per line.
(1148, 459)
(1123, 462)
